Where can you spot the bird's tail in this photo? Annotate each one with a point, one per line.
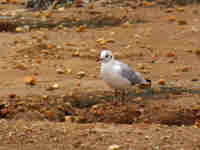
(146, 84)
(148, 81)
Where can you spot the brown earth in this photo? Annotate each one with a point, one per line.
(68, 106)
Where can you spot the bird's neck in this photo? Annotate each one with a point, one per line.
(108, 63)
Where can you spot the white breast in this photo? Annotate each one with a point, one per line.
(110, 72)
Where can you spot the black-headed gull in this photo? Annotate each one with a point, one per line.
(117, 74)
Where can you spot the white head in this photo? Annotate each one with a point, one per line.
(106, 56)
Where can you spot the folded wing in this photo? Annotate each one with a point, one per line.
(131, 75)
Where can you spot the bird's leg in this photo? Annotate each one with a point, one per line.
(123, 95)
(116, 92)
(120, 93)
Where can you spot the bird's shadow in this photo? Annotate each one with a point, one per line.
(164, 93)
(100, 97)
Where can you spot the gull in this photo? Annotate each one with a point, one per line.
(118, 75)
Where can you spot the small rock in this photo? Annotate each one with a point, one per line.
(141, 66)
(93, 50)
(21, 66)
(147, 137)
(68, 70)
(175, 75)
(156, 148)
(169, 10)
(54, 115)
(171, 61)
(114, 147)
(186, 69)
(171, 54)
(50, 46)
(195, 79)
(162, 82)
(195, 11)
(157, 129)
(12, 95)
(197, 51)
(44, 51)
(76, 53)
(58, 46)
(37, 14)
(112, 33)
(60, 71)
(139, 99)
(19, 29)
(61, 9)
(195, 29)
(182, 22)
(156, 89)
(81, 28)
(68, 118)
(78, 83)
(180, 9)
(53, 87)
(139, 90)
(81, 74)
(25, 28)
(172, 18)
(30, 80)
(189, 50)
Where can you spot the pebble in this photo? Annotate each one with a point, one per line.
(31, 80)
(53, 87)
(162, 82)
(195, 79)
(141, 66)
(195, 29)
(180, 9)
(169, 10)
(81, 74)
(68, 118)
(147, 137)
(114, 147)
(171, 54)
(60, 71)
(61, 9)
(182, 22)
(25, 28)
(156, 89)
(139, 99)
(76, 53)
(172, 18)
(186, 68)
(12, 95)
(197, 51)
(195, 11)
(175, 75)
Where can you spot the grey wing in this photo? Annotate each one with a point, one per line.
(131, 75)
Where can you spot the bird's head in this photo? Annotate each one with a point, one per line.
(105, 56)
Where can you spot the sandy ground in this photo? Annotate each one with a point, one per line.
(70, 107)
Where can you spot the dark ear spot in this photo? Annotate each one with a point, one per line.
(149, 81)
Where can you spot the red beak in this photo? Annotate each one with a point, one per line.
(99, 59)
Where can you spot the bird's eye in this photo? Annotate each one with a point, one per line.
(107, 56)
